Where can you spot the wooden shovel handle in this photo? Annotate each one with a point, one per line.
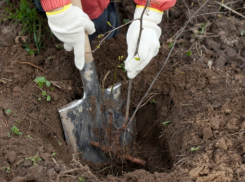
(88, 52)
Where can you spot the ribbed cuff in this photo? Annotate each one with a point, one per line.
(49, 5)
(149, 15)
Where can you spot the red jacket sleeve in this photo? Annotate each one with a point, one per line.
(94, 8)
(161, 5)
(49, 5)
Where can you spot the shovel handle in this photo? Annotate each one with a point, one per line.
(88, 52)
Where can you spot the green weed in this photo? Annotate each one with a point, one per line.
(8, 111)
(35, 159)
(28, 17)
(40, 82)
(6, 169)
(194, 149)
(189, 53)
(15, 130)
(28, 136)
(82, 179)
(166, 122)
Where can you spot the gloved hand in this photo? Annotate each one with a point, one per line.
(149, 43)
(69, 26)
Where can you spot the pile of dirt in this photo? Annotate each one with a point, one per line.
(190, 127)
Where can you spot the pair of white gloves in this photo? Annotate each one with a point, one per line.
(69, 26)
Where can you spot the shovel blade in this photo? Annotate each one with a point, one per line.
(81, 125)
(89, 120)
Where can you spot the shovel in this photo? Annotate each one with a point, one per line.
(90, 120)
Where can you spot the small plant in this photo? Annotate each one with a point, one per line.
(82, 179)
(28, 49)
(126, 21)
(40, 82)
(9, 135)
(166, 122)
(58, 46)
(201, 30)
(194, 149)
(189, 53)
(53, 154)
(15, 130)
(8, 111)
(170, 45)
(59, 143)
(6, 169)
(122, 64)
(28, 136)
(153, 101)
(242, 32)
(35, 159)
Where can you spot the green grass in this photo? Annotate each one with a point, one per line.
(27, 15)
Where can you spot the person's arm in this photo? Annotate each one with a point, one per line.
(149, 42)
(69, 23)
(54, 5)
(161, 5)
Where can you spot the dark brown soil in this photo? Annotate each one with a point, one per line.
(201, 97)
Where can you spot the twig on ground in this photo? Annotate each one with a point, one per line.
(233, 11)
(32, 65)
(66, 172)
(2, 81)
(55, 84)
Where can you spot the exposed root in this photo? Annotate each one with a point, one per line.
(121, 156)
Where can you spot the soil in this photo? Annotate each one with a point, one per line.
(190, 128)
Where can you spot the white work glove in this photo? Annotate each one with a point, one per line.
(149, 43)
(69, 26)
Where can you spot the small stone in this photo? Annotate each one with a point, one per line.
(17, 91)
(220, 144)
(207, 133)
(228, 111)
(215, 122)
(11, 156)
(194, 173)
(27, 163)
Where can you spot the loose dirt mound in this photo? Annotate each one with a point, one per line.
(190, 128)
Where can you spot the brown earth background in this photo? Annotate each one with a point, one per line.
(201, 95)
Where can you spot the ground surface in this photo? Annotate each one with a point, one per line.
(202, 95)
